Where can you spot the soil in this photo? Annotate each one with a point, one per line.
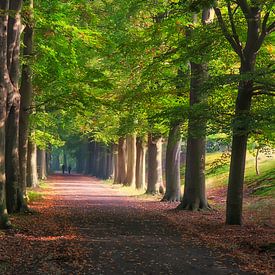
(83, 226)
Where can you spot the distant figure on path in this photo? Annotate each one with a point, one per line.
(63, 168)
(69, 169)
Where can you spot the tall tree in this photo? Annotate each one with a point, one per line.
(5, 87)
(256, 14)
(194, 197)
(172, 165)
(26, 92)
(16, 194)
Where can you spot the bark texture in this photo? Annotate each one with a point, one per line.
(194, 197)
(42, 164)
(121, 160)
(172, 165)
(131, 160)
(155, 184)
(16, 194)
(26, 99)
(140, 164)
(257, 30)
(32, 176)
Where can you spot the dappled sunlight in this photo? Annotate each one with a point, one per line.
(48, 238)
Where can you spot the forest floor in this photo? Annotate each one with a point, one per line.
(82, 226)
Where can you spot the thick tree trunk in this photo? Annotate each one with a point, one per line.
(242, 115)
(121, 160)
(12, 162)
(4, 86)
(155, 184)
(238, 152)
(41, 161)
(172, 165)
(140, 165)
(194, 197)
(131, 160)
(26, 99)
(32, 177)
(16, 193)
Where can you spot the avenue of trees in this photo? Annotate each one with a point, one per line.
(110, 82)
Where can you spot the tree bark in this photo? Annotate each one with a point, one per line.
(194, 197)
(241, 124)
(16, 193)
(140, 165)
(155, 184)
(26, 99)
(32, 177)
(115, 163)
(131, 160)
(4, 90)
(172, 165)
(41, 161)
(121, 160)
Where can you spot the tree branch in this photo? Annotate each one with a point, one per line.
(244, 6)
(226, 33)
(264, 93)
(233, 27)
(263, 32)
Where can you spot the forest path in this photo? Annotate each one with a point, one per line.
(85, 227)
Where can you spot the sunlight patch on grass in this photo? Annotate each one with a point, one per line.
(34, 196)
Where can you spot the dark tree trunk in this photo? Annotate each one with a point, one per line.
(140, 165)
(110, 162)
(88, 168)
(242, 116)
(172, 165)
(32, 177)
(194, 197)
(121, 160)
(16, 193)
(4, 90)
(238, 152)
(131, 160)
(26, 99)
(155, 184)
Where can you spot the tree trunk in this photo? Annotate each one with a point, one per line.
(121, 160)
(32, 177)
(4, 86)
(194, 197)
(131, 160)
(115, 163)
(140, 165)
(16, 193)
(26, 99)
(242, 115)
(41, 160)
(172, 165)
(155, 184)
(238, 153)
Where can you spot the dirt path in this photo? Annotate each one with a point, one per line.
(85, 227)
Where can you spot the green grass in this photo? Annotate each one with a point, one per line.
(261, 185)
(34, 196)
(42, 184)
